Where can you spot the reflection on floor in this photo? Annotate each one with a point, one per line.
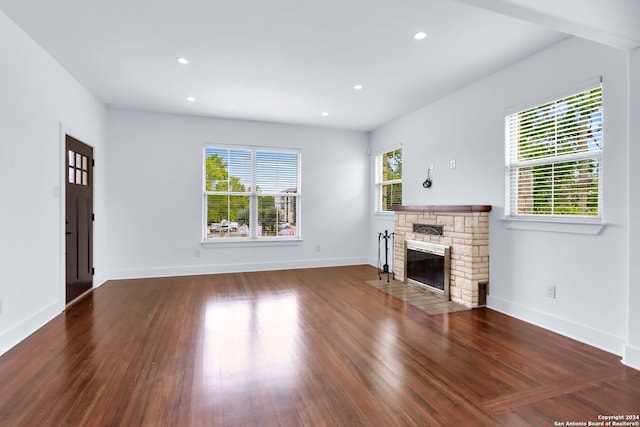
(423, 300)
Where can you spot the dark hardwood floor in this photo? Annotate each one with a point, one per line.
(314, 347)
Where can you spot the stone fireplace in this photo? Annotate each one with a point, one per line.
(464, 230)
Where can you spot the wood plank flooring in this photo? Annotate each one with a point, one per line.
(314, 347)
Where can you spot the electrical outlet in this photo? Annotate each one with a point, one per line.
(317, 248)
(551, 291)
(197, 253)
(452, 164)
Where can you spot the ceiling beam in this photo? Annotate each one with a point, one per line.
(612, 22)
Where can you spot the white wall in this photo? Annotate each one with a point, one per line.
(632, 351)
(39, 101)
(155, 195)
(590, 272)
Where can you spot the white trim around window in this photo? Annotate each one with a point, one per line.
(388, 180)
(554, 163)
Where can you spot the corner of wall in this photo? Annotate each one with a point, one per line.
(631, 357)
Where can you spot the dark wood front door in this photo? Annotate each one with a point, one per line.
(79, 218)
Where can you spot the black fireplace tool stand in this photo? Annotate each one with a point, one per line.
(384, 268)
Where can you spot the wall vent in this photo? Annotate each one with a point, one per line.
(434, 230)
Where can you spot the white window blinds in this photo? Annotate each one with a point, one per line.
(554, 158)
(228, 170)
(276, 172)
(251, 193)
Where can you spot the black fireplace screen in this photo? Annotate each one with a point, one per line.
(426, 268)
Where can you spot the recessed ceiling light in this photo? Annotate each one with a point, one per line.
(325, 113)
(191, 99)
(420, 35)
(182, 60)
(358, 87)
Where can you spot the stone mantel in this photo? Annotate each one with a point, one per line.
(443, 208)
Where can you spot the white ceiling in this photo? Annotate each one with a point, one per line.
(288, 61)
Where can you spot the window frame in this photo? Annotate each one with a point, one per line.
(380, 183)
(254, 196)
(561, 222)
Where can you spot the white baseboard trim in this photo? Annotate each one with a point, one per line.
(568, 328)
(99, 279)
(631, 357)
(13, 336)
(195, 270)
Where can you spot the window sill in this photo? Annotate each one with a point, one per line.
(244, 242)
(555, 226)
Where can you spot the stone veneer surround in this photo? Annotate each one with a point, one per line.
(465, 231)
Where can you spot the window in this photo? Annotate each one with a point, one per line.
(78, 167)
(251, 193)
(388, 180)
(554, 159)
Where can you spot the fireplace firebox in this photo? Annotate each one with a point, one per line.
(427, 267)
